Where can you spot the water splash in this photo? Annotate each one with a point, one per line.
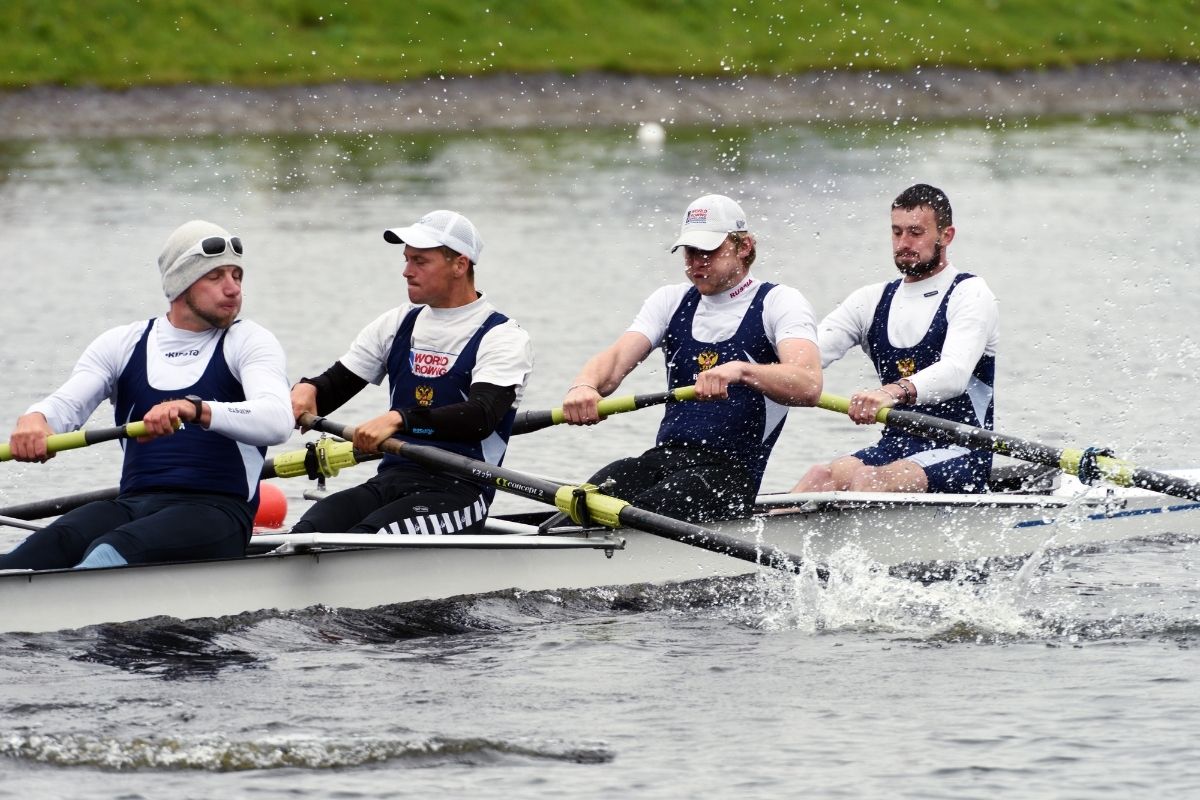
(221, 754)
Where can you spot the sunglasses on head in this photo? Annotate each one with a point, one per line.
(212, 246)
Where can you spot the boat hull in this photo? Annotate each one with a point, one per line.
(889, 529)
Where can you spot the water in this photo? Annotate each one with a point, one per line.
(1074, 677)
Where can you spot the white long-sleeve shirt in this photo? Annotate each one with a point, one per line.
(176, 359)
(973, 328)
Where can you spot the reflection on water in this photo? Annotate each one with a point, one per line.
(169, 650)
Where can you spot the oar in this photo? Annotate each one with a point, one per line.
(580, 503)
(19, 523)
(57, 505)
(325, 456)
(1115, 470)
(57, 442)
(530, 421)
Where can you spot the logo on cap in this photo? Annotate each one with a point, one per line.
(696, 216)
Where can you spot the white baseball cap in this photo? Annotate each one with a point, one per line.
(708, 220)
(440, 228)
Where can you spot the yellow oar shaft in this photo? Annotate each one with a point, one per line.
(57, 442)
(530, 421)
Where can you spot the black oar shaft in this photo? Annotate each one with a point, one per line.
(607, 511)
(58, 505)
(1067, 459)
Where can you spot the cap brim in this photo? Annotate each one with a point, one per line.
(702, 240)
(412, 236)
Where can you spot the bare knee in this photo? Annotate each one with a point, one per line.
(819, 478)
(899, 476)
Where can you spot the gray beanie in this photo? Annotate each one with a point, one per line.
(179, 272)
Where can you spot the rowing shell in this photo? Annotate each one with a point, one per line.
(364, 571)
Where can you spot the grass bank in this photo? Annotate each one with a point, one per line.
(123, 43)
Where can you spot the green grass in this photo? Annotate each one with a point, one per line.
(118, 43)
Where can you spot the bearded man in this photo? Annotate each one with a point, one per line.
(932, 336)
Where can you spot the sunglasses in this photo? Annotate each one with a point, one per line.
(213, 246)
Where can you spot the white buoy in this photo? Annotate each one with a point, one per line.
(651, 133)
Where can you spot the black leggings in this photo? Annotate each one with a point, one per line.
(686, 483)
(144, 528)
(400, 501)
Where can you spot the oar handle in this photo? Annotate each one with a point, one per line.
(57, 442)
(530, 421)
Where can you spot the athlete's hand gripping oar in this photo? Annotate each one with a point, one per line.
(577, 502)
(530, 421)
(57, 442)
(1088, 464)
(325, 457)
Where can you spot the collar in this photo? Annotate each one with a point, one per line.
(741, 291)
(458, 312)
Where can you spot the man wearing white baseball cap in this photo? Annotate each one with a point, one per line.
(186, 494)
(456, 369)
(748, 346)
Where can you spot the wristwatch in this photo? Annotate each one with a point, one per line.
(198, 404)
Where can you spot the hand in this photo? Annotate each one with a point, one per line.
(581, 405)
(304, 400)
(713, 384)
(865, 405)
(165, 418)
(370, 434)
(28, 439)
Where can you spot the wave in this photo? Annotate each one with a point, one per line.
(996, 600)
(221, 754)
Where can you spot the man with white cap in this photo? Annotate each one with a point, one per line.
(189, 493)
(748, 346)
(456, 369)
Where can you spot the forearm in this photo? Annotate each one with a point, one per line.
(264, 418)
(950, 375)
(260, 421)
(605, 370)
(788, 384)
(335, 386)
(472, 420)
(600, 373)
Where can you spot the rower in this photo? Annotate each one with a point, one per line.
(741, 341)
(932, 336)
(456, 369)
(186, 494)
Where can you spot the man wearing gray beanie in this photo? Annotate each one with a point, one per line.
(189, 493)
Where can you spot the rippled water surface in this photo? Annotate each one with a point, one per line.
(1074, 676)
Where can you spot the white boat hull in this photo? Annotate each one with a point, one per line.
(890, 529)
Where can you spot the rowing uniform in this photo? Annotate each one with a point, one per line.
(436, 361)
(189, 495)
(708, 459)
(941, 334)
